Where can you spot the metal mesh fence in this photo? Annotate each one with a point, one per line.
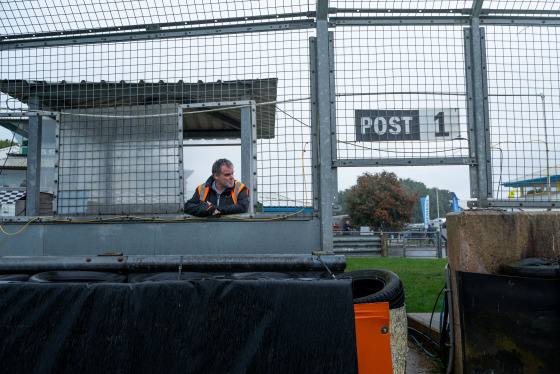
(119, 165)
(400, 94)
(154, 77)
(35, 18)
(523, 77)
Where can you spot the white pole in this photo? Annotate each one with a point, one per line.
(437, 202)
(546, 143)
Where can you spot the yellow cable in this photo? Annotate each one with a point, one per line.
(174, 219)
(20, 230)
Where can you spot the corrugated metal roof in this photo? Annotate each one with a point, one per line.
(13, 162)
(540, 176)
(85, 96)
(11, 158)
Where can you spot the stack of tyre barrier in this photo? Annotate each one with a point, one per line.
(62, 321)
(535, 268)
(178, 322)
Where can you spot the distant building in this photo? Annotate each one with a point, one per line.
(535, 186)
(13, 167)
(13, 182)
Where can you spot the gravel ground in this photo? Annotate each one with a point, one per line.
(418, 362)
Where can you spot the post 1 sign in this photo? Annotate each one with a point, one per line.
(390, 125)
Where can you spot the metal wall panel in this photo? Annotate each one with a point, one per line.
(163, 238)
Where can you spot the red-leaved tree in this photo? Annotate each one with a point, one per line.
(379, 200)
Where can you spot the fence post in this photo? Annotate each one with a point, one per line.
(384, 246)
(477, 94)
(324, 125)
(439, 255)
(404, 246)
(34, 160)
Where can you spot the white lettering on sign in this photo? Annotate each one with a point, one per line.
(380, 125)
(407, 124)
(395, 126)
(366, 124)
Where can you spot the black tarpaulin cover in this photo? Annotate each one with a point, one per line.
(206, 326)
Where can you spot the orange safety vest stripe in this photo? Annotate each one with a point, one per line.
(203, 198)
(234, 192)
(236, 189)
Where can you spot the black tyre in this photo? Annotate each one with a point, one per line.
(534, 268)
(376, 286)
(167, 276)
(14, 277)
(77, 276)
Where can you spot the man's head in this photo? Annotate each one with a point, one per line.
(222, 171)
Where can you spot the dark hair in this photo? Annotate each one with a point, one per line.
(217, 167)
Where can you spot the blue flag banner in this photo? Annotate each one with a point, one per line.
(425, 205)
(455, 202)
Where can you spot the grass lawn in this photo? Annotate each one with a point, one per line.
(422, 278)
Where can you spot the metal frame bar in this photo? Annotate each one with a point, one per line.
(518, 204)
(154, 26)
(56, 168)
(163, 218)
(398, 21)
(404, 162)
(314, 120)
(158, 34)
(327, 178)
(35, 113)
(181, 186)
(477, 90)
(521, 21)
(473, 175)
(426, 12)
(33, 173)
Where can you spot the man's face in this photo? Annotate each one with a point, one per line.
(226, 179)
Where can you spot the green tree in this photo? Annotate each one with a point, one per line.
(378, 200)
(7, 143)
(341, 200)
(444, 197)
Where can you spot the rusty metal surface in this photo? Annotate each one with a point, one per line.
(509, 324)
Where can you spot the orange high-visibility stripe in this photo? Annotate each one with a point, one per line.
(234, 193)
(202, 198)
(205, 193)
(238, 187)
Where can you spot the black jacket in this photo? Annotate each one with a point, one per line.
(196, 207)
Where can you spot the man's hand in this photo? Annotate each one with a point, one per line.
(216, 212)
